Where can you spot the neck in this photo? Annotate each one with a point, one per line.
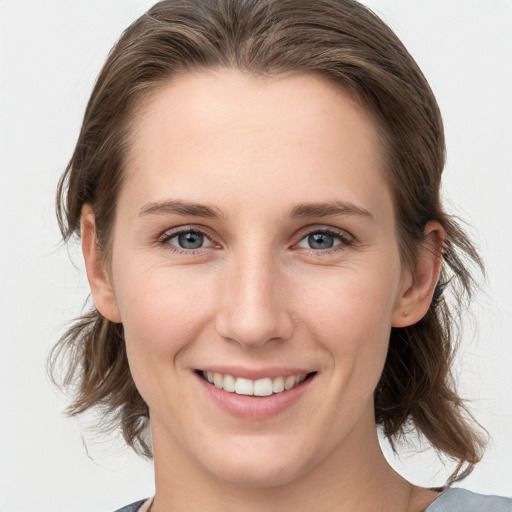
(352, 478)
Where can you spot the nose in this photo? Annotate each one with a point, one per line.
(253, 309)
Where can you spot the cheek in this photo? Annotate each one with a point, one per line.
(162, 300)
(350, 305)
(350, 317)
(163, 311)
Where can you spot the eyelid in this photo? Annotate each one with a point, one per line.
(345, 238)
(169, 234)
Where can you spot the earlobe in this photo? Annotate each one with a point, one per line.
(97, 274)
(416, 298)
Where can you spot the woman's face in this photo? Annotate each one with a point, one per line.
(254, 245)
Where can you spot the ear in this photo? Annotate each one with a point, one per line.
(97, 274)
(416, 295)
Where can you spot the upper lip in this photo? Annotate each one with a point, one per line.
(255, 373)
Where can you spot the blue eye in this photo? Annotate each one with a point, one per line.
(322, 240)
(188, 240)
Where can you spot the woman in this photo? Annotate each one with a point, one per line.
(256, 188)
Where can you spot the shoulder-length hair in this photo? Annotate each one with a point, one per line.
(350, 46)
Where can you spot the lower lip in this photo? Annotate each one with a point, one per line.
(255, 407)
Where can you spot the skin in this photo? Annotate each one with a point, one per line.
(256, 294)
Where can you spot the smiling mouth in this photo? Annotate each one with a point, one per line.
(261, 387)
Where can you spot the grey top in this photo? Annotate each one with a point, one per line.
(460, 500)
(133, 507)
(453, 500)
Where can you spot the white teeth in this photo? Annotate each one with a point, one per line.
(244, 386)
(278, 385)
(218, 380)
(289, 382)
(229, 383)
(261, 387)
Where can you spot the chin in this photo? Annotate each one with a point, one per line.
(259, 466)
(258, 475)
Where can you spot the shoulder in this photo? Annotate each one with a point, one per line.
(134, 507)
(461, 500)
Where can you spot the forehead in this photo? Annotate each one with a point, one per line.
(278, 105)
(239, 134)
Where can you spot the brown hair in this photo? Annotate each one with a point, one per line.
(349, 45)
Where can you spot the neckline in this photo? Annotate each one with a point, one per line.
(442, 492)
(147, 505)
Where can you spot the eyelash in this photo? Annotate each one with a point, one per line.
(165, 239)
(345, 240)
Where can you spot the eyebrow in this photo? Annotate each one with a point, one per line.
(185, 208)
(178, 207)
(328, 209)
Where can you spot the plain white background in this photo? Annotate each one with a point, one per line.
(50, 54)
